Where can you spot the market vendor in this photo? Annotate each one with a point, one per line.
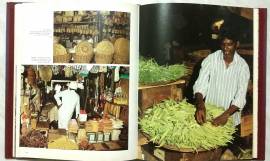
(223, 81)
(69, 102)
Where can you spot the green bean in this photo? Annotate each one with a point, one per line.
(150, 72)
(172, 123)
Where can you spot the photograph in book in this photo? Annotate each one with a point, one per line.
(198, 82)
(73, 107)
(100, 37)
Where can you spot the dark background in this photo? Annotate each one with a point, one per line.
(187, 24)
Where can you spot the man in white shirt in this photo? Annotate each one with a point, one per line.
(223, 81)
(70, 102)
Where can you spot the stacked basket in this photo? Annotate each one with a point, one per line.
(60, 54)
(104, 52)
(83, 52)
(121, 47)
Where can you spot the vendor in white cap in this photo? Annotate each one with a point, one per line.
(69, 102)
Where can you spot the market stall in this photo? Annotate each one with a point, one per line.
(91, 37)
(98, 117)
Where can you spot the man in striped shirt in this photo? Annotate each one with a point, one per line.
(223, 81)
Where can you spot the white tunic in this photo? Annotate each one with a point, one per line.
(224, 86)
(70, 101)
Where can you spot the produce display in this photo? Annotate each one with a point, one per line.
(152, 73)
(172, 124)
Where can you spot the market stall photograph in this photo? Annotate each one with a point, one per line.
(100, 37)
(74, 107)
(196, 76)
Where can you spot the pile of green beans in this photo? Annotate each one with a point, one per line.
(152, 73)
(173, 124)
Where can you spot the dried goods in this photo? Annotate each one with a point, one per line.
(34, 138)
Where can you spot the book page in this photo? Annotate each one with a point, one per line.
(182, 36)
(76, 71)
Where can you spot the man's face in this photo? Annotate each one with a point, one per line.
(228, 48)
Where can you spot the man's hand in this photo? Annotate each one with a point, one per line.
(200, 114)
(221, 119)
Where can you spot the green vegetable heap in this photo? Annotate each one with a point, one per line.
(152, 73)
(173, 124)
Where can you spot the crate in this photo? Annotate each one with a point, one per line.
(150, 95)
(152, 153)
(246, 125)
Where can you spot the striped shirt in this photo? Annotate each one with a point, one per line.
(224, 86)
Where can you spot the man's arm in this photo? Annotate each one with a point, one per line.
(240, 97)
(200, 114)
(200, 88)
(57, 98)
(202, 82)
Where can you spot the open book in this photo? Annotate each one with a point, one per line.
(76, 91)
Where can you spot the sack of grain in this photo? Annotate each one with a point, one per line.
(83, 52)
(104, 52)
(121, 47)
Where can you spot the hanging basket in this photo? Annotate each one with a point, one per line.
(60, 54)
(83, 52)
(104, 52)
(45, 73)
(121, 47)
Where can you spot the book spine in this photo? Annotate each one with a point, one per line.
(9, 120)
(262, 84)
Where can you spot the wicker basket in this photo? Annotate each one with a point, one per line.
(60, 54)
(121, 47)
(83, 52)
(45, 73)
(104, 52)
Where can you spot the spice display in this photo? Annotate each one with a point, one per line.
(172, 124)
(152, 73)
(61, 142)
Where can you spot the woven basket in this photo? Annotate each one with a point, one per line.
(60, 54)
(121, 47)
(104, 52)
(174, 148)
(83, 52)
(45, 73)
